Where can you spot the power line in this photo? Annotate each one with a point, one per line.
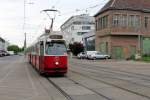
(84, 9)
(39, 26)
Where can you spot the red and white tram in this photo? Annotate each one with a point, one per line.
(49, 54)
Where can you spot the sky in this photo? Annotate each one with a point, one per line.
(12, 26)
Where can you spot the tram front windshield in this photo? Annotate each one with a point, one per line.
(55, 48)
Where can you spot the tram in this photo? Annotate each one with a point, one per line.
(49, 55)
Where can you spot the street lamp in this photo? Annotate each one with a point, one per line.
(25, 43)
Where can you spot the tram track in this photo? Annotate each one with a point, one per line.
(90, 89)
(119, 72)
(79, 84)
(110, 83)
(110, 76)
(68, 97)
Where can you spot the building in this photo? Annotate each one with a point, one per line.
(89, 41)
(123, 28)
(76, 26)
(6, 45)
(3, 44)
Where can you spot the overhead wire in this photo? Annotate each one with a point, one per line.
(78, 10)
(71, 12)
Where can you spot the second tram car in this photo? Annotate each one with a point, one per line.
(49, 55)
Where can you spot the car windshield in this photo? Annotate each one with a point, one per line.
(55, 48)
(98, 53)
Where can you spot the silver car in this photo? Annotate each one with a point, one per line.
(81, 55)
(99, 55)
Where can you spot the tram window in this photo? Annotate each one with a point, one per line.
(41, 48)
(55, 48)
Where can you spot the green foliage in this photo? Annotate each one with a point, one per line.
(146, 58)
(76, 48)
(14, 48)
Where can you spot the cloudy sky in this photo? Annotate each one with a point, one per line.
(12, 16)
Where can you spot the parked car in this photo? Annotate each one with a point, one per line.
(89, 53)
(99, 55)
(11, 52)
(81, 55)
(1, 54)
(6, 53)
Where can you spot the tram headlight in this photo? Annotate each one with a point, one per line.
(57, 63)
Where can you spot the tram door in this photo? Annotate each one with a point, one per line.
(41, 56)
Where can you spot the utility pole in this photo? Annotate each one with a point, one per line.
(24, 24)
(25, 41)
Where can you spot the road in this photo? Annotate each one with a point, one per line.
(86, 80)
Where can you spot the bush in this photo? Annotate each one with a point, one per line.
(146, 57)
(76, 48)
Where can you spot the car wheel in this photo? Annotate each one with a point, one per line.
(106, 57)
(94, 58)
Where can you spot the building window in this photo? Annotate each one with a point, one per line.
(137, 21)
(77, 23)
(124, 21)
(102, 22)
(86, 27)
(134, 21)
(146, 22)
(131, 21)
(105, 22)
(81, 33)
(96, 25)
(116, 20)
(72, 28)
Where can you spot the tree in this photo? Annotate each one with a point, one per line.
(14, 48)
(76, 48)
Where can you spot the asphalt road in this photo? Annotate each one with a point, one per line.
(85, 80)
(117, 80)
(19, 81)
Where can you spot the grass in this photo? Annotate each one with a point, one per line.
(147, 59)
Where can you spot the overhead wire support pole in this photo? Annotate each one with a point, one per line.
(24, 25)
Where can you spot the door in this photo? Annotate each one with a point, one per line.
(117, 52)
(146, 45)
(104, 47)
(132, 51)
(41, 57)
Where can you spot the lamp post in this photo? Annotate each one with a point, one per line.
(24, 24)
